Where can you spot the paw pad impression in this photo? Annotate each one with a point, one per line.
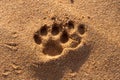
(58, 36)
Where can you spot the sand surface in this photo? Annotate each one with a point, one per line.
(59, 39)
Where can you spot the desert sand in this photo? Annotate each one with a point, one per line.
(59, 39)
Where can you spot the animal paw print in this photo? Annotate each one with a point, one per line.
(55, 38)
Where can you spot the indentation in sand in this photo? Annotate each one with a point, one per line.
(52, 48)
(64, 37)
(81, 28)
(60, 37)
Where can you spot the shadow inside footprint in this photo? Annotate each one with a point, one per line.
(54, 70)
(52, 48)
(81, 29)
(76, 40)
(37, 38)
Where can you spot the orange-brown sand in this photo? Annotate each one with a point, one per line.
(59, 39)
